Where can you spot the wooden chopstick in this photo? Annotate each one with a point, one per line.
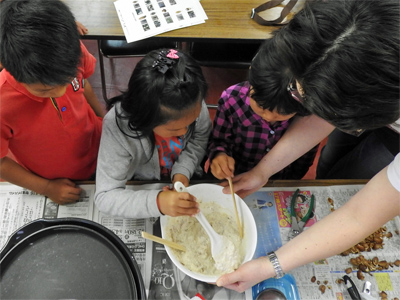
(168, 243)
(240, 227)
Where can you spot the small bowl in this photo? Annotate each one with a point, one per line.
(213, 193)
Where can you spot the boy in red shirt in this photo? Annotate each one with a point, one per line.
(48, 109)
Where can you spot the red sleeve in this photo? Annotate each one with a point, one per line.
(5, 136)
(88, 62)
(6, 132)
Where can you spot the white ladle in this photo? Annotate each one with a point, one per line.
(219, 243)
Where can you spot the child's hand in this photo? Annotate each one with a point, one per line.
(62, 191)
(175, 204)
(81, 28)
(182, 178)
(222, 166)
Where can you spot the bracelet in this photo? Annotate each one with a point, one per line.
(275, 263)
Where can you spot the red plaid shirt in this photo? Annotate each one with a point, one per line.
(242, 134)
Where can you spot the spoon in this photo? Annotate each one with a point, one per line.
(219, 243)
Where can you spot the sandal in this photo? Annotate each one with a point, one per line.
(271, 4)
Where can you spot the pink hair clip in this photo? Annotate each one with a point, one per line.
(165, 60)
(173, 54)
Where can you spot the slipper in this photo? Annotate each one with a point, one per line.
(269, 5)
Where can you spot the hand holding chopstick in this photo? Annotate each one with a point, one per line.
(236, 210)
(163, 241)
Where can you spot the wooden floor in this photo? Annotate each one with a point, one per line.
(119, 71)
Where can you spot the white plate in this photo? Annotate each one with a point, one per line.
(210, 193)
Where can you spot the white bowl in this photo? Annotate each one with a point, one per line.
(210, 193)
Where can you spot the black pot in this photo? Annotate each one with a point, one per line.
(68, 258)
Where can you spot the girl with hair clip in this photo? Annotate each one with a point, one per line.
(157, 129)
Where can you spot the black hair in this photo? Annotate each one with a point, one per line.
(345, 54)
(155, 97)
(39, 41)
(269, 76)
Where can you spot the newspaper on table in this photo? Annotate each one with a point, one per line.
(270, 207)
(141, 19)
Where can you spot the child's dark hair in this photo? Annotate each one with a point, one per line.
(345, 54)
(269, 76)
(163, 84)
(39, 41)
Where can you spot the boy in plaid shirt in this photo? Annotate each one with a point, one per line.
(251, 118)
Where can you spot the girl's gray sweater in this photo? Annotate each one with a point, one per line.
(122, 158)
